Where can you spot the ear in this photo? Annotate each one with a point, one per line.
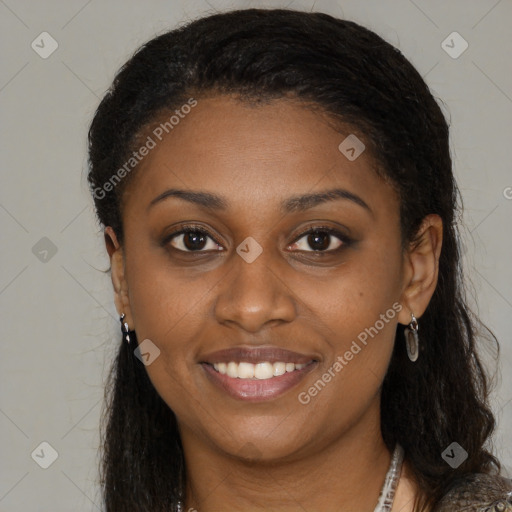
(115, 252)
(421, 269)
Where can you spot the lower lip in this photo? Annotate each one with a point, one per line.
(257, 390)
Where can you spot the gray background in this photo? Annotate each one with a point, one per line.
(58, 319)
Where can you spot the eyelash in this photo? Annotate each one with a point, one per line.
(190, 228)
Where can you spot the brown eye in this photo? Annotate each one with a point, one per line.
(321, 240)
(192, 240)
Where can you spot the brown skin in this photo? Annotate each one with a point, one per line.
(281, 455)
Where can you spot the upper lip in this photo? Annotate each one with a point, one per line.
(256, 355)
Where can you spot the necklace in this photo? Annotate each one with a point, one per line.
(387, 493)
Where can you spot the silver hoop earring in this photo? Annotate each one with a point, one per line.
(412, 342)
(127, 334)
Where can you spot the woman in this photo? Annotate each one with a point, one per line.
(280, 215)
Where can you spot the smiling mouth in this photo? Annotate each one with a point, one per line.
(256, 382)
(259, 371)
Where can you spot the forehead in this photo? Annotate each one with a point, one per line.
(260, 154)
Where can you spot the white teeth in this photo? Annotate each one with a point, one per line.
(245, 370)
(263, 370)
(279, 369)
(232, 370)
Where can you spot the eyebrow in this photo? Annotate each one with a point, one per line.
(298, 203)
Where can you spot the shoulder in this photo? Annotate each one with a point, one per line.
(478, 492)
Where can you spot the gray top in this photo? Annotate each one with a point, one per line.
(478, 492)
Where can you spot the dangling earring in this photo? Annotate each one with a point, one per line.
(127, 334)
(412, 342)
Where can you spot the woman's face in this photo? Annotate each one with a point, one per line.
(256, 286)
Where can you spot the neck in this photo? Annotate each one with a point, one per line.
(345, 474)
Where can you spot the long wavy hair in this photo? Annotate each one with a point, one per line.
(359, 80)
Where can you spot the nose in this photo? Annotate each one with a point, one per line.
(255, 294)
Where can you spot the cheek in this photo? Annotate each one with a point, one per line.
(358, 314)
(169, 313)
(359, 325)
(352, 298)
(165, 301)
